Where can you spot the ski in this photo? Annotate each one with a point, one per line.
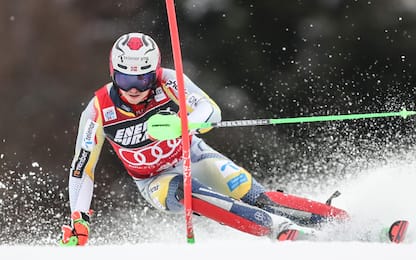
(396, 233)
(288, 235)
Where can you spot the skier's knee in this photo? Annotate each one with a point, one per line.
(179, 189)
(174, 196)
(163, 192)
(254, 192)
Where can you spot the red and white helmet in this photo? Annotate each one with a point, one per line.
(134, 54)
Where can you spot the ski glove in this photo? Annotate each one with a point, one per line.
(77, 233)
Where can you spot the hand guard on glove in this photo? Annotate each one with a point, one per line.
(164, 125)
(77, 233)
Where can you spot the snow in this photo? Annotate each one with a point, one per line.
(221, 249)
(378, 195)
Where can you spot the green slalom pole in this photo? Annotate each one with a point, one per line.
(165, 127)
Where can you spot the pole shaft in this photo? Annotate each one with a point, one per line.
(187, 179)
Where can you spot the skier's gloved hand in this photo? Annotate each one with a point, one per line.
(77, 233)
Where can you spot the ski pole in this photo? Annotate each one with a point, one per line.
(168, 126)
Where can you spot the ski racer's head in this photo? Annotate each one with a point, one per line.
(135, 65)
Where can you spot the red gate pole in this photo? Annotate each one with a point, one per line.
(174, 35)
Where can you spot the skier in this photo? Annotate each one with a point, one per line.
(140, 88)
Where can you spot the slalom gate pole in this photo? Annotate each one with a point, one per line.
(187, 179)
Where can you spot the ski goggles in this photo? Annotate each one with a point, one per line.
(139, 82)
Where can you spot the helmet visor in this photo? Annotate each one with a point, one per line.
(139, 82)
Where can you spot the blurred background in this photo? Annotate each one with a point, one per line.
(257, 59)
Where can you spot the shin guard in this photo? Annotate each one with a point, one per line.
(301, 210)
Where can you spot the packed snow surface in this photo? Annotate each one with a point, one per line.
(374, 198)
